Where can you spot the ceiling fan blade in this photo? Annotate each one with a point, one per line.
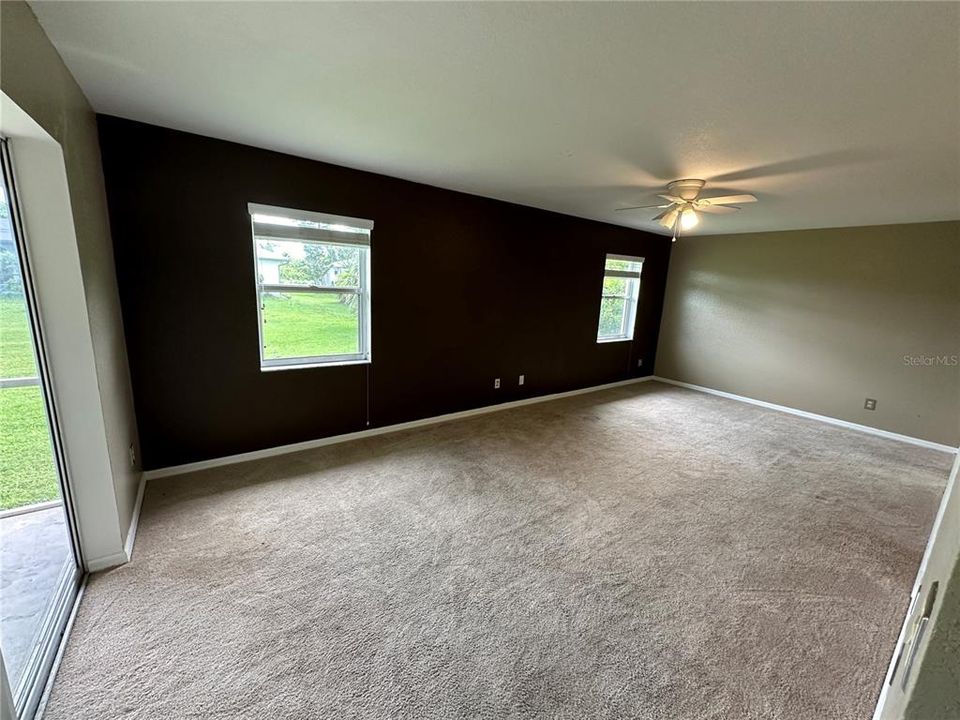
(672, 198)
(669, 218)
(718, 209)
(640, 207)
(728, 199)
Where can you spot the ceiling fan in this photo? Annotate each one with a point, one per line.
(684, 202)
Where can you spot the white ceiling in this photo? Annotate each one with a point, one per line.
(832, 114)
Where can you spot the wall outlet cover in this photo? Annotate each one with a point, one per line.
(870, 404)
(496, 383)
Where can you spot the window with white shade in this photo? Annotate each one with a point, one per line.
(312, 274)
(618, 301)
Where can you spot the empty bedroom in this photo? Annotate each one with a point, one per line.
(434, 360)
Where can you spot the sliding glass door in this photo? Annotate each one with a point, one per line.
(39, 564)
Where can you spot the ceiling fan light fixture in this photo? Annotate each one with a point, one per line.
(684, 205)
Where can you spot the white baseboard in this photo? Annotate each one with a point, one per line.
(134, 519)
(120, 558)
(813, 416)
(321, 442)
(106, 562)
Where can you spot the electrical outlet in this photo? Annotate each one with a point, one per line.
(520, 382)
(870, 404)
(496, 383)
(133, 456)
(640, 362)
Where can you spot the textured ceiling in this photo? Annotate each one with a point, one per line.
(833, 114)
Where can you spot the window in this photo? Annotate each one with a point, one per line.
(313, 287)
(618, 303)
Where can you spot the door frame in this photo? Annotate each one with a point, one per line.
(941, 555)
(26, 692)
(58, 307)
(39, 345)
(46, 217)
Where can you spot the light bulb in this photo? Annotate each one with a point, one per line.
(688, 219)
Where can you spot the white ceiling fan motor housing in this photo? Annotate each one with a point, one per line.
(687, 189)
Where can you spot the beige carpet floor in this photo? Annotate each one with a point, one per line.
(640, 552)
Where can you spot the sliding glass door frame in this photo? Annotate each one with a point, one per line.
(29, 688)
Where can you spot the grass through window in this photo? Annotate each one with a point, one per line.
(16, 348)
(27, 472)
(26, 461)
(309, 324)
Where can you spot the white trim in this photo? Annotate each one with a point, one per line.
(320, 442)
(945, 501)
(813, 416)
(107, 561)
(50, 243)
(303, 366)
(364, 340)
(628, 322)
(291, 288)
(32, 686)
(134, 520)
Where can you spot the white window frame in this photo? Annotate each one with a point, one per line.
(632, 300)
(334, 230)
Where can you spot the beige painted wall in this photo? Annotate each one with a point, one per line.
(819, 320)
(33, 75)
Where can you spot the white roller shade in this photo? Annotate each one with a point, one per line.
(306, 226)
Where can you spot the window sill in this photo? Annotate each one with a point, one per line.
(604, 341)
(304, 366)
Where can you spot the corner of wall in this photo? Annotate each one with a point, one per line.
(36, 79)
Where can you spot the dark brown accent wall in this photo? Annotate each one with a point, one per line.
(464, 289)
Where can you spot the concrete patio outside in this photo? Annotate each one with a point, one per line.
(35, 554)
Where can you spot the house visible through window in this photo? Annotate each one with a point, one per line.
(618, 303)
(313, 287)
